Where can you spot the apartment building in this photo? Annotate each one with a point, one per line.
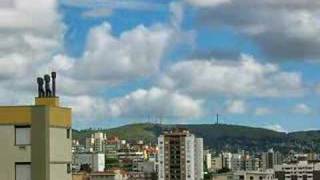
(298, 171)
(270, 159)
(180, 156)
(35, 140)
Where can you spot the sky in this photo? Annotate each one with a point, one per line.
(254, 63)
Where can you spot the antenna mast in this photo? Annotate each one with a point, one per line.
(217, 119)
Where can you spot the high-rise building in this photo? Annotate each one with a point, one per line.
(36, 140)
(216, 163)
(96, 143)
(208, 160)
(271, 158)
(180, 156)
(226, 160)
(237, 162)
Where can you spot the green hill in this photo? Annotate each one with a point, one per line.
(218, 137)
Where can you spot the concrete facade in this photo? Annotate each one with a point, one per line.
(11, 153)
(180, 156)
(299, 171)
(48, 153)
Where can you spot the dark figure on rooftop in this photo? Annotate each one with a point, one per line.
(47, 85)
(41, 92)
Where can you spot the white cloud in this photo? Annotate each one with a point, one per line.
(30, 32)
(246, 77)
(141, 103)
(236, 107)
(155, 102)
(6, 4)
(260, 111)
(135, 53)
(302, 109)
(88, 108)
(292, 33)
(110, 60)
(276, 127)
(32, 38)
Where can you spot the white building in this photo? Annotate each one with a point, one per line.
(95, 160)
(254, 175)
(96, 142)
(299, 171)
(226, 160)
(236, 162)
(216, 163)
(180, 156)
(270, 159)
(208, 161)
(198, 158)
(245, 175)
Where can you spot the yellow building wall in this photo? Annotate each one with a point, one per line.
(15, 115)
(22, 115)
(60, 117)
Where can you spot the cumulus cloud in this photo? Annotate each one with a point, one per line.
(236, 107)
(286, 29)
(302, 109)
(141, 103)
(245, 77)
(32, 43)
(30, 33)
(85, 107)
(155, 102)
(135, 53)
(110, 60)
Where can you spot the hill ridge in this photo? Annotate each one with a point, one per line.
(220, 136)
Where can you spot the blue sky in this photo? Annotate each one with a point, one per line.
(178, 61)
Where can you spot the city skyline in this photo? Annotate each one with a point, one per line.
(175, 61)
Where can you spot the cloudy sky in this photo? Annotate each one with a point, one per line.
(255, 63)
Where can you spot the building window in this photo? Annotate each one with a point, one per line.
(68, 133)
(22, 135)
(68, 168)
(23, 171)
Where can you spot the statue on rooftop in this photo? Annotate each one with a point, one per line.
(41, 92)
(47, 85)
(53, 76)
(44, 89)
